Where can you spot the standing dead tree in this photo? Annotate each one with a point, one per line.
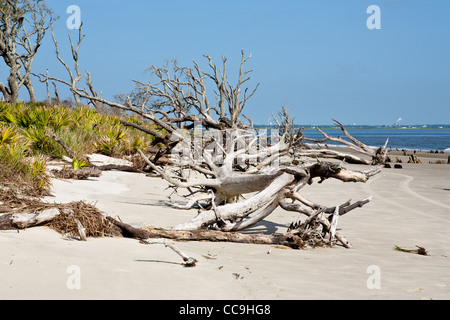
(237, 175)
(74, 75)
(23, 24)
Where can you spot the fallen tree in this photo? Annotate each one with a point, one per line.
(235, 174)
(81, 220)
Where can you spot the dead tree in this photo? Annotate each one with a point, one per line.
(237, 175)
(373, 156)
(23, 25)
(74, 75)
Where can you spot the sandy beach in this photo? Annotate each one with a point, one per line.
(410, 207)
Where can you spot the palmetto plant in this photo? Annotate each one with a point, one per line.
(12, 156)
(78, 164)
(138, 143)
(37, 135)
(27, 140)
(7, 116)
(23, 117)
(8, 135)
(112, 137)
(38, 173)
(116, 132)
(59, 118)
(15, 163)
(40, 116)
(105, 145)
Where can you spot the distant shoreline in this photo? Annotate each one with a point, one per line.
(430, 138)
(423, 139)
(396, 149)
(314, 127)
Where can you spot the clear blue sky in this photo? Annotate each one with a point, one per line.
(316, 57)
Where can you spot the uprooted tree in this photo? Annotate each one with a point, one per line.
(234, 174)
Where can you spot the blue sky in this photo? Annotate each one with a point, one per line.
(316, 57)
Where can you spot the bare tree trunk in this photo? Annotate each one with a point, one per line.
(5, 91)
(29, 85)
(58, 100)
(207, 235)
(13, 86)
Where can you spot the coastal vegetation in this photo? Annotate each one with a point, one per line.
(34, 134)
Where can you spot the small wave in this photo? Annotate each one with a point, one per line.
(447, 150)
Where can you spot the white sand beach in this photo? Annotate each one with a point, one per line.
(410, 207)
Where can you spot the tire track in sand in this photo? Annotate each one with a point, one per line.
(403, 186)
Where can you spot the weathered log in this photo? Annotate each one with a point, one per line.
(79, 174)
(226, 184)
(234, 211)
(12, 221)
(118, 167)
(294, 238)
(289, 240)
(326, 170)
(245, 223)
(328, 153)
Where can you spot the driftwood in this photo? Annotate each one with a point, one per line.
(414, 159)
(86, 221)
(13, 221)
(81, 230)
(207, 235)
(236, 174)
(377, 156)
(62, 144)
(94, 223)
(117, 167)
(79, 174)
(419, 250)
(188, 261)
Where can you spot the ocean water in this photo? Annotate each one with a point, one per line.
(424, 139)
